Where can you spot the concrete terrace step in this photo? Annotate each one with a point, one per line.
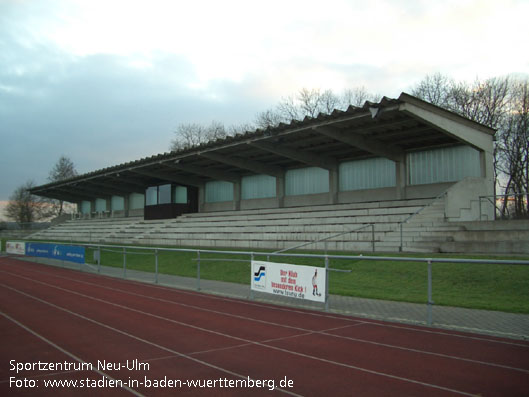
(364, 246)
(486, 247)
(344, 220)
(220, 217)
(280, 227)
(330, 228)
(307, 236)
(332, 207)
(492, 235)
(497, 225)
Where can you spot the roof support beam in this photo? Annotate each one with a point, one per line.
(246, 164)
(67, 196)
(119, 189)
(214, 174)
(170, 178)
(312, 159)
(370, 145)
(81, 193)
(95, 191)
(128, 179)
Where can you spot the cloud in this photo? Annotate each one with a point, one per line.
(107, 82)
(101, 110)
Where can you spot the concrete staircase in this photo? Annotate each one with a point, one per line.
(251, 229)
(286, 227)
(424, 229)
(490, 237)
(87, 230)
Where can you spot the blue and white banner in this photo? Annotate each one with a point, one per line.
(71, 253)
(295, 281)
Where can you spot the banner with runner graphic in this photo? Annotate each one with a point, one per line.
(295, 281)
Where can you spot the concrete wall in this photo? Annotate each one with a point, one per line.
(462, 200)
(357, 196)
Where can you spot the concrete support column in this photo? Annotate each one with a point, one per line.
(237, 195)
(334, 185)
(401, 179)
(280, 190)
(108, 205)
(487, 170)
(126, 205)
(201, 198)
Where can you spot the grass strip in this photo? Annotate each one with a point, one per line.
(477, 286)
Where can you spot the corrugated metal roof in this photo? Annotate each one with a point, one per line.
(382, 122)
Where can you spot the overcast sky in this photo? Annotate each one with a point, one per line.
(105, 82)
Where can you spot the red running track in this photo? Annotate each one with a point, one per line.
(118, 337)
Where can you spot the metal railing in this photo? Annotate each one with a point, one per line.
(250, 255)
(401, 223)
(503, 208)
(326, 239)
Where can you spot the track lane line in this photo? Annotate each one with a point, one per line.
(306, 331)
(307, 356)
(125, 333)
(270, 306)
(69, 354)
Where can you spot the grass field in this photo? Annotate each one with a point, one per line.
(480, 286)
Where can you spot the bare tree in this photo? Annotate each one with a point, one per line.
(241, 128)
(25, 208)
(435, 89)
(268, 118)
(482, 101)
(500, 103)
(356, 97)
(288, 109)
(63, 169)
(307, 102)
(310, 103)
(194, 134)
(513, 151)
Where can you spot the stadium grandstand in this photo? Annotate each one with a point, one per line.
(401, 174)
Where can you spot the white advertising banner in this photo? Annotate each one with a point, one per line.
(16, 247)
(295, 281)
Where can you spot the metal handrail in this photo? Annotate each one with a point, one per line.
(492, 199)
(315, 256)
(372, 225)
(416, 213)
(326, 257)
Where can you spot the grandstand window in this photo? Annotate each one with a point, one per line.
(151, 195)
(180, 195)
(86, 207)
(217, 191)
(164, 194)
(258, 186)
(136, 201)
(101, 205)
(371, 173)
(448, 164)
(310, 180)
(117, 203)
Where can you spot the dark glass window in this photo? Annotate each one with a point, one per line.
(151, 195)
(164, 194)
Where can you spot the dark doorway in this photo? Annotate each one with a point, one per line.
(161, 209)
